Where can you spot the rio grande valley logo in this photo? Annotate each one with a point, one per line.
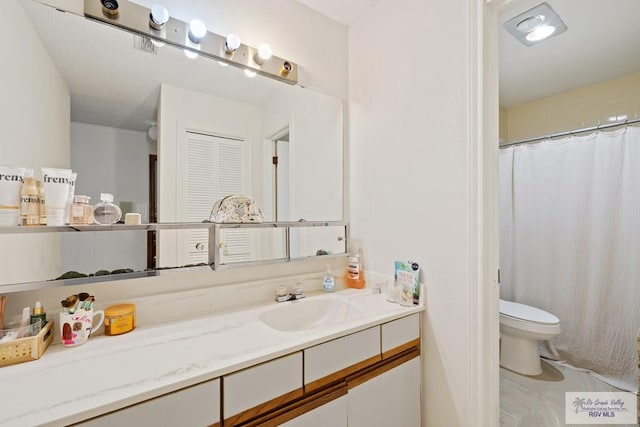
(600, 408)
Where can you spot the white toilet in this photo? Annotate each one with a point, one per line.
(521, 327)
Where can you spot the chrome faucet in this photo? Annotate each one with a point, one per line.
(284, 294)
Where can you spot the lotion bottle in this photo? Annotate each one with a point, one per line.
(328, 281)
(106, 212)
(354, 275)
(29, 202)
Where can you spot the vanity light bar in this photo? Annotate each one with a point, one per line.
(134, 18)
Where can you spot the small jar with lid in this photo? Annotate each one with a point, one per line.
(119, 319)
(81, 210)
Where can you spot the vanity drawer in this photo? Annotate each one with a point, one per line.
(256, 390)
(330, 361)
(400, 335)
(194, 406)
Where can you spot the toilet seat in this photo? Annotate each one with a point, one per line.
(521, 327)
(527, 318)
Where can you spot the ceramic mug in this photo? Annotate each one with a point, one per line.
(76, 328)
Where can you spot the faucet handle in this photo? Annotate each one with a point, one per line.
(282, 293)
(298, 292)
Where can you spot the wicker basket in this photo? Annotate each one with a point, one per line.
(26, 349)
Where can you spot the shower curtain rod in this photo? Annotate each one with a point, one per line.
(571, 132)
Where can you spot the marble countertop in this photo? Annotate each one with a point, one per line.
(68, 385)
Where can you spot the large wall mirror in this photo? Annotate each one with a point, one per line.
(146, 117)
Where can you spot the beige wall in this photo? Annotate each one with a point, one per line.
(503, 135)
(577, 109)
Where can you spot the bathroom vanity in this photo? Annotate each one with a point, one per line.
(348, 358)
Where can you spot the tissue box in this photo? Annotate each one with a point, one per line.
(26, 349)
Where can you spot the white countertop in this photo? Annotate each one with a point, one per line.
(68, 385)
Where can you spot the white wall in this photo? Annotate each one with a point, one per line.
(116, 161)
(111, 160)
(413, 82)
(182, 110)
(315, 149)
(34, 120)
(315, 181)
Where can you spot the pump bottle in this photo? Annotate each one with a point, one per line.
(354, 275)
(328, 281)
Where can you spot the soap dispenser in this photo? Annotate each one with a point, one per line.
(106, 212)
(328, 281)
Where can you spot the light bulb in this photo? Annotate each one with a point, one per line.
(153, 132)
(249, 73)
(541, 33)
(190, 54)
(232, 43)
(264, 51)
(197, 30)
(159, 16)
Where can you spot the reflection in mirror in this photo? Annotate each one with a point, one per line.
(119, 94)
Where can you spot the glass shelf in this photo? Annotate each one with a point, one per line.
(164, 226)
(214, 263)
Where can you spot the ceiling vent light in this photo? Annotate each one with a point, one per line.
(540, 33)
(530, 23)
(535, 25)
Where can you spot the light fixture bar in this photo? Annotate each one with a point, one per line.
(134, 18)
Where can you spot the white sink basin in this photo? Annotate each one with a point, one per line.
(307, 314)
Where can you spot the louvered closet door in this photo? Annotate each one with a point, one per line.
(214, 169)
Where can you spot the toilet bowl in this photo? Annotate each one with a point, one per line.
(521, 327)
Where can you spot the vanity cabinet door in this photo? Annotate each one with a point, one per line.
(325, 408)
(328, 362)
(260, 389)
(400, 335)
(332, 414)
(195, 406)
(391, 398)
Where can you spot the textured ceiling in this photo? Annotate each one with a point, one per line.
(344, 11)
(602, 42)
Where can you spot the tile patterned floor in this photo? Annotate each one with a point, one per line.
(540, 401)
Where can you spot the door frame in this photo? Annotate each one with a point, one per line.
(153, 212)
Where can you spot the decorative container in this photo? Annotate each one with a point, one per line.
(25, 349)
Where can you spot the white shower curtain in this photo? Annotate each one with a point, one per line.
(570, 244)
